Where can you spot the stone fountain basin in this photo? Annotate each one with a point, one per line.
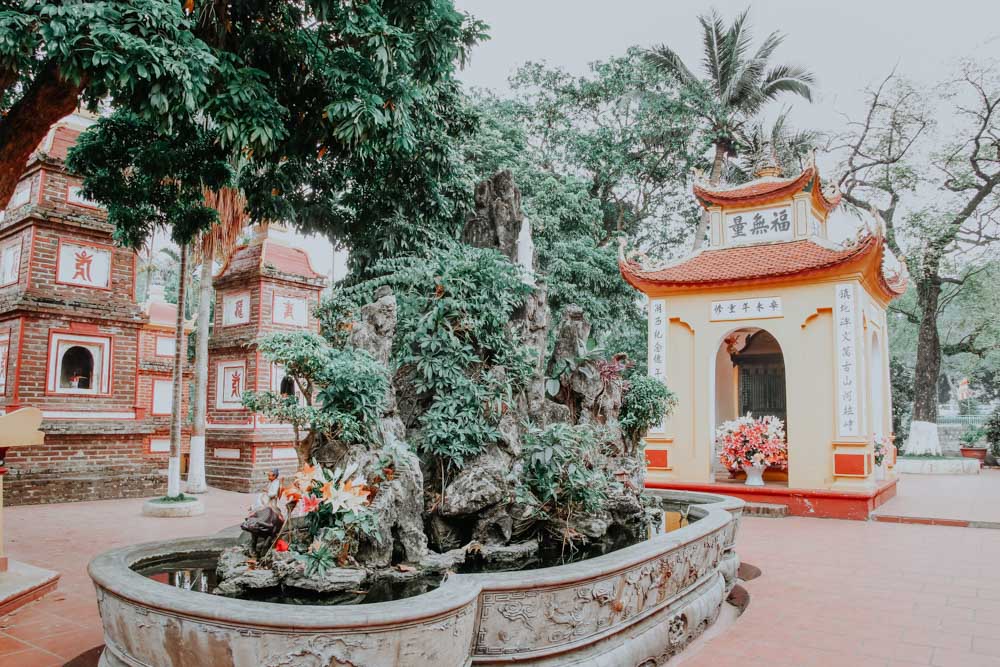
(638, 605)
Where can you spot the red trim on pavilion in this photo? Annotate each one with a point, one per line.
(754, 263)
(766, 190)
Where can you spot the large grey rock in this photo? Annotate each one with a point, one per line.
(398, 508)
(501, 555)
(496, 222)
(476, 487)
(593, 526)
(494, 525)
(247, 580)
(232, 562)
(450, 560)
(377, 326)
(333, 580)
(571, 334)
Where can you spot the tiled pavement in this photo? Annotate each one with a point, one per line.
(843, 593)
(964, 498)
(855, 594)
(64, 537)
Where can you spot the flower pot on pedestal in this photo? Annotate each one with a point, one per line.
(755, 475)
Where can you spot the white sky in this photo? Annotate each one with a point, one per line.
(847, 44)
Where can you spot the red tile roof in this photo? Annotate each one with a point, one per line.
(289, 260)
(745, 263)
(162, 313)
(766, 190)
(268, 252)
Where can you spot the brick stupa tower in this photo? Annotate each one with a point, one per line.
(265, 287)
(70, 332)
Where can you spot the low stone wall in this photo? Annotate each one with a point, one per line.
(950, 436)
(916, 466)
(638, 605)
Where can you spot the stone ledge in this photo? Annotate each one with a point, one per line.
(23, 583)
(961, 466)
(771, 510)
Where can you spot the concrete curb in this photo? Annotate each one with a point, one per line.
(183, 508)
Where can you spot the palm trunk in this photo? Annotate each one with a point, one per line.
(176, 413)
(196, 472)
(714, 178)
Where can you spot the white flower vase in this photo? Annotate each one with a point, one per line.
(755, 475)
(880, 473)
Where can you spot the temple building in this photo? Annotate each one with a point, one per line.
(774, 318)
(265, 287)
(75, 343)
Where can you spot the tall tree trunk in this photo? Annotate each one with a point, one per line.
(713, 179)
(925, 374)
(196, 471)
(47, 100)
(177, 413)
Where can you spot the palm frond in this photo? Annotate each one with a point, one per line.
(788, 79)
(735, 45)
(768, 46)
(713, 34)
(666, 60)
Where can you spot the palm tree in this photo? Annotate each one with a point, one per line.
(217, 242)
(739, 84)
(780, 143)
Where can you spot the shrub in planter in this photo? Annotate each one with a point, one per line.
(971, 438)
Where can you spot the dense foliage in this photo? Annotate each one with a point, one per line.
(148, 180)
(562, 475)
(343, 115)
(596, 158)
(455, 352)
(645, 402)
(349, 387)
(901, 379)
(991, 431)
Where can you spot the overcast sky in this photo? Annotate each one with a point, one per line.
(847, 44)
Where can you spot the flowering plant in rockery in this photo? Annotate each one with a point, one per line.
(752, 442)
(335, 505)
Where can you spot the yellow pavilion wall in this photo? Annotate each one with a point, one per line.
(806, 333)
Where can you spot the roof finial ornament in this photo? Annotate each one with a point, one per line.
(811, 159)
(699, 175)
(768, 166)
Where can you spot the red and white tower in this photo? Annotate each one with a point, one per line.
(265, 287)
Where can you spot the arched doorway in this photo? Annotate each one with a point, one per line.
(749, 378)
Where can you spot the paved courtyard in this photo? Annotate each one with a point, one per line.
(963, 498)
(831, 592)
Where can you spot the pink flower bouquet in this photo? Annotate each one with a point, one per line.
(752, 442)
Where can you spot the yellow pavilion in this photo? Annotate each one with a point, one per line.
(774, 318)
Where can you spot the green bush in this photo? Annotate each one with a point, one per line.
(341, 392)
(645, 403)
(562, 471)
(991, 431)
(454, 346)
(972, 435)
